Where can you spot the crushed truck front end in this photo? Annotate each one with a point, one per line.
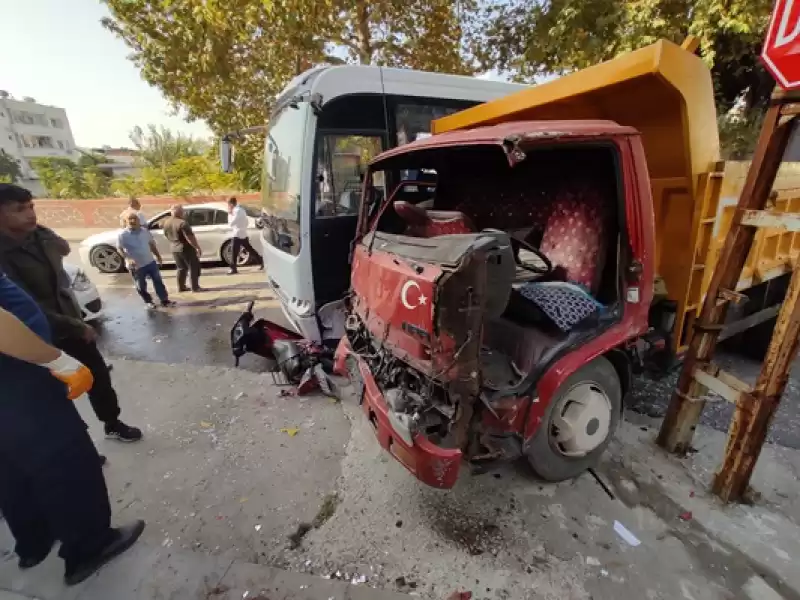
(414, 339)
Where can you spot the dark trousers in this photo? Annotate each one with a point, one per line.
(102, 395)
(238, 244)
(187, 262)
(62, 497)
(140, 276)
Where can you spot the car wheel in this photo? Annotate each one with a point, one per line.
(579, 423)
(226, 254)
(106, 259)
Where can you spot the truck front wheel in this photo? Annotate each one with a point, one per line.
(579, 423)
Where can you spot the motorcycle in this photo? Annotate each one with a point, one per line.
(291, 359)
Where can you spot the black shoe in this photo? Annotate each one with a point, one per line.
(168, 304)
(103, 460)
(198, 289)
(183, 289)
(123, 433)
(123, 538)
(233, 272)
(28, 562)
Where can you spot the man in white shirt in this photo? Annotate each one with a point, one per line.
(238, 221)
(135, 206)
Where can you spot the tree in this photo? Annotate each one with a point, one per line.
(160, 148)
(558, 36)
(225, 62)
(10, 171)
(182, 175)
(64, 178)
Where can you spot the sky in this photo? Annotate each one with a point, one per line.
(57, 52)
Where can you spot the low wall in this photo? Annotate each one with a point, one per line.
(104, 212)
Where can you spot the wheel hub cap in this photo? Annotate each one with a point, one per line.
(582, 420)
(106, 259)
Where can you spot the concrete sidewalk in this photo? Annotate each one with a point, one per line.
(147, 573)
(241, 482)
(764, 535)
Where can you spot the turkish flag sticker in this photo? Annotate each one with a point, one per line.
(411, 295)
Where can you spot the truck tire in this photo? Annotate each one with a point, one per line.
(579, 423)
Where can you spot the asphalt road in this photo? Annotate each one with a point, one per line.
(198, 330)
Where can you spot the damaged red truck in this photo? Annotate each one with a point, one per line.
(500, 302)
(496, 325)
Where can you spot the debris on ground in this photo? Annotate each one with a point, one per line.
(685, 516)
(625, 534)
(291, 431)
(206, 425)
(460, 596)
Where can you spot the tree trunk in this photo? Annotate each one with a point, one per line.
(364, 36)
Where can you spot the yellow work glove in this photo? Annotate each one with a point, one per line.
(75, 375)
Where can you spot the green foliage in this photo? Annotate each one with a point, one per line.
(559, 36)
(10, 170)
(64, 178)
(739, 135)
(88, 159)
(168, 163)
(174, 164)
(160, 148)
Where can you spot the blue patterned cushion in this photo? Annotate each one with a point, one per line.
(566, 304)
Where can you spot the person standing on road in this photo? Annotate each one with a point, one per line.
(52, 487)
(137, 246)
(136, 206)
(31, 256)
(239, 221)
(185, 249)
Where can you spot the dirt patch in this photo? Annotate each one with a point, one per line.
(326, 510)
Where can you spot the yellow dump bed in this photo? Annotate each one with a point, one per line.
(666, 93)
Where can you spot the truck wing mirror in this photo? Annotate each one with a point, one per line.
(226, 154)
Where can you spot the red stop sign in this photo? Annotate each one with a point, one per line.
(781, 52)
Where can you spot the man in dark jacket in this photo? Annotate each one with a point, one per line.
(185, 249)
(31, 256)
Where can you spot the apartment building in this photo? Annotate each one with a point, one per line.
(31, 130)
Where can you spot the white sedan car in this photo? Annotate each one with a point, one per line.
(209, 223)
(85, 293)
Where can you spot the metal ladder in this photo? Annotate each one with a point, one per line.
(755, 405)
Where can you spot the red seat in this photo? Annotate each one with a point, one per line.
(576, 235)
(430, 223)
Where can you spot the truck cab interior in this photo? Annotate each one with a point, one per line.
(555, 225)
